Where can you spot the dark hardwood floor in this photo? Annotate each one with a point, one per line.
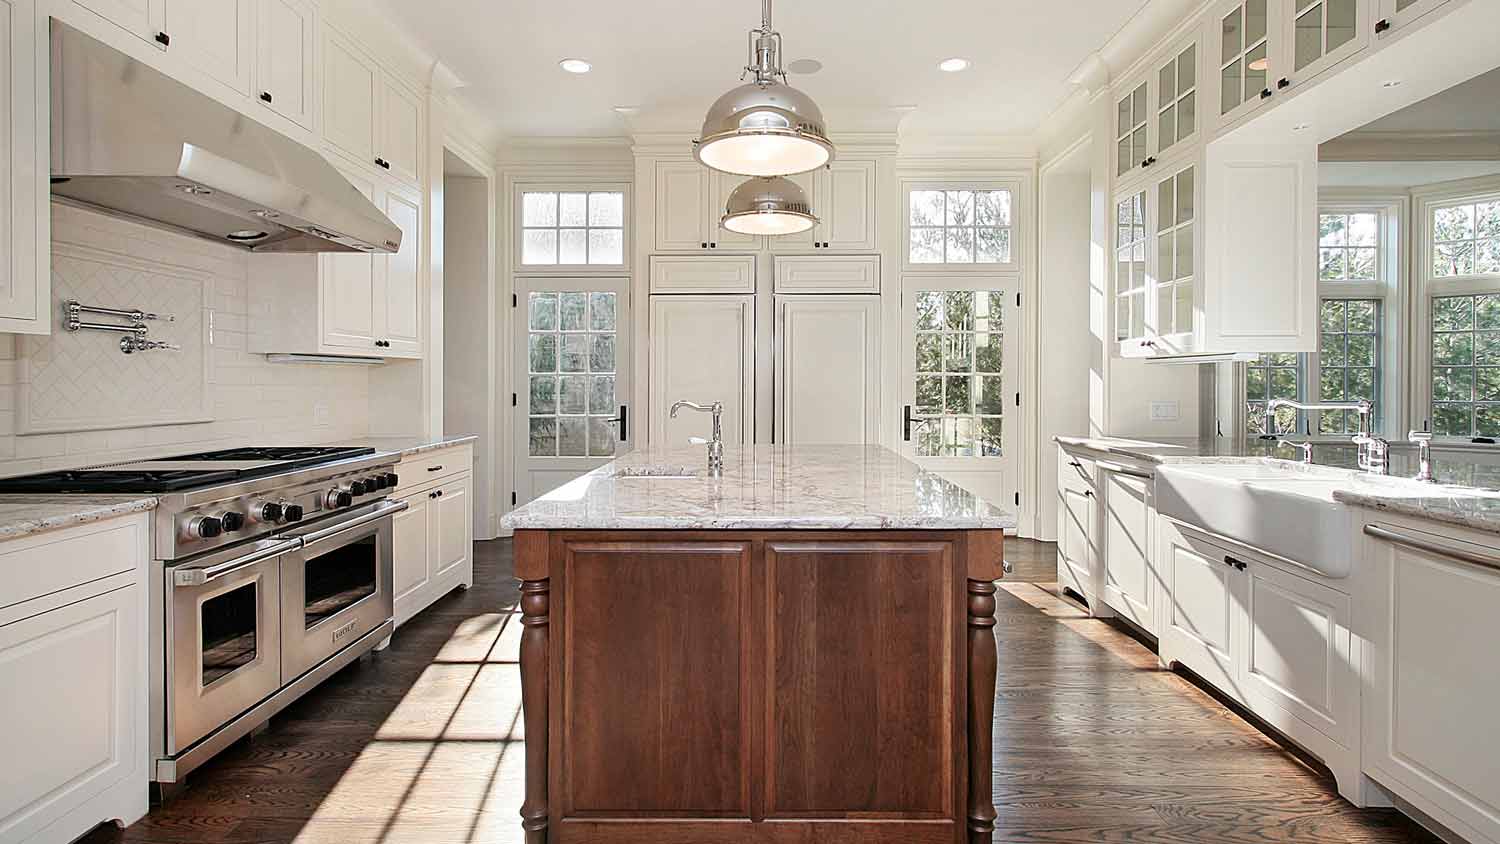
(1093, 742)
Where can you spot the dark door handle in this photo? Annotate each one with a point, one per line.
(623, 420)
(906, 424)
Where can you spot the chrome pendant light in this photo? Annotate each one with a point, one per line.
(770, 206)
(764, 127)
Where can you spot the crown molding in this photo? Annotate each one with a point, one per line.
(594, 153)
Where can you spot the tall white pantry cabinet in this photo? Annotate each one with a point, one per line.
(784, 331)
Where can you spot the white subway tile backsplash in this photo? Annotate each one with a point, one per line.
(250, 400)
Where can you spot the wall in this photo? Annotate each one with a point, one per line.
(1063, 348)
(469, 373)
(249, 400)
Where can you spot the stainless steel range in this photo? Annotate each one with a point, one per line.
(272, 570)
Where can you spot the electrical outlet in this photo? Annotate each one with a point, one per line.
(320, 414)
(1164, 411)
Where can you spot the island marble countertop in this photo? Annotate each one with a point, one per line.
(1462, 506)
(833, 487)
(25, 514)
(411, 446)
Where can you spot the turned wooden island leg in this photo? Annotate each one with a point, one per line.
(981, 710)
(534, 601)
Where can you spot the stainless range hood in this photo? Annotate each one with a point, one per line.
(136, 143)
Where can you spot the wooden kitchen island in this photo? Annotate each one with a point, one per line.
(801, 650)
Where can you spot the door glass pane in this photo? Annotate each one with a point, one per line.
(573, 228)
(1229, 87)
(336, 580)
(1308, 39)
(572, 334)
(961, 226)
(227, 624)
(1340, 23)
(959, 383)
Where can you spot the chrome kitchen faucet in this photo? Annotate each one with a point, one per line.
(1374, 452)
(716, 445)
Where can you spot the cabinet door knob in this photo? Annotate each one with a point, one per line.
(713, 246)
(163, 39)
(703, 245)
(1265, 93)
(265, 96)
(1382, 25)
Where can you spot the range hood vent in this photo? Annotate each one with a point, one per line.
(136, 143)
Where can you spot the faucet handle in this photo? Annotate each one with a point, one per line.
(697, 441)
(1419, 437)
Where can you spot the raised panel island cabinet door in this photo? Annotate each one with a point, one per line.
(827, 369)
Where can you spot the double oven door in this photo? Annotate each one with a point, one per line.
(247, 621)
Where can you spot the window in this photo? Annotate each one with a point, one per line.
(571, 366)
(1466, 366)
(1348, 247)
(959, 389)
(573, 228)
(1348, 360)
(1176, 98)
(1272, 376)
(960, 227)
(1466, 239)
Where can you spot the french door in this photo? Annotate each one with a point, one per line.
(960, 381)
(572, 377)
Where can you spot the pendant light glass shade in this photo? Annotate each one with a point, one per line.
(769, 206)
(764, 127)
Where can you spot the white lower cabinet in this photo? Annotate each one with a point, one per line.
(1131, 580)
(1277, 642)
(73, 667)
(1078, 527)
(1429, 629)
(827, 369)
(433, 539)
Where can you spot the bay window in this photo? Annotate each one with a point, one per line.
(1459, 311)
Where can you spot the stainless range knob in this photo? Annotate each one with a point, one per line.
(266, 511)
(291, 512)
(360, 488)
(337, 497)
(205, 527)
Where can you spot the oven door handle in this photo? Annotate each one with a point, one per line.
(201, 576)
(383, 509)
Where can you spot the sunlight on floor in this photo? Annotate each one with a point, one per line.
(420, 779)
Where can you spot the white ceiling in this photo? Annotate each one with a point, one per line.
(1399, 174)
(681, 54)
(1466, 107)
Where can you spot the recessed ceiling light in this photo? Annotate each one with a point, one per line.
(1301, 127)
(1259, 64)
(575, 65)
(805, 66)
(953, 65)
(1391, 83)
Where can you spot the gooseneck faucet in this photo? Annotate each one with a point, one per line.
(1374, 452)
(715, 445)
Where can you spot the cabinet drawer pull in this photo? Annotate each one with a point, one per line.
(265, 96)
(1283, 82)
(163, 39)
(1126, 470)
(1075, 464)
(437, 468)
(1432, 546)
(1382, 25)
(1265, 93)
(1088, 493)
(1235, 563)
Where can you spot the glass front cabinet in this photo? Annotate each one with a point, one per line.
(1393, 15)
(1158, 114)
(1156, 246)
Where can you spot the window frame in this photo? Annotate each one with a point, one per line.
(1429, 286)
(1008, 269)
(1393, 238)
(516, 229)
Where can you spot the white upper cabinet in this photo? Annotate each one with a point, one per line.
(287, 39)
(25, 280)
(215, 36)
(1132, 129)
(1248, 45)
(690, 202)
(1157, 114)
(1322, 33)
(1396, 14)
(348, 286)
(400, 131)
(842, 196)
(143, 18)
(399, 295)
(827, 369)
(351, 91)
(703, 350)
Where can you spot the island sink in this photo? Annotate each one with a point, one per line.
(799, 650)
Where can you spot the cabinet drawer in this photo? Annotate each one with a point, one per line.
(423, 469)
(828, 274)
(50, 562)
(692, 274)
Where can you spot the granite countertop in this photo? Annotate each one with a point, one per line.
(25, 514)
(763, 488)
(410, 446)
(1461, 506)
